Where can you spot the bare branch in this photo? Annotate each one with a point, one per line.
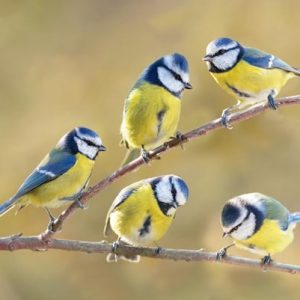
(203, 130)
(35, 243)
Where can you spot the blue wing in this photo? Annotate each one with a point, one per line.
(55, 164)
(264, 60)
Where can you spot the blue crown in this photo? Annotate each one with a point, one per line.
(183, 187)
(230, 214)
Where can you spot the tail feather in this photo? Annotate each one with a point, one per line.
(296, 71)
(131, 155)
(294, 217)
(7, 205)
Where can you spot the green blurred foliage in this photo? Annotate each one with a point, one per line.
(68, 63)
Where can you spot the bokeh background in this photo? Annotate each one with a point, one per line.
(69, 63)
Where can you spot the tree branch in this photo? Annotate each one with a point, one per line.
(16, 242)
(203, 130)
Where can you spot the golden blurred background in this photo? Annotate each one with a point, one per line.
(69, 63)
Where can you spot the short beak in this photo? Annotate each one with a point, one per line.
(102, 148)
(207, 58)
(187, 85)
(225, 234)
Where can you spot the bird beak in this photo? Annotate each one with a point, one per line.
(187, 85)
(225, 234)
(102, 148)
(207, 57)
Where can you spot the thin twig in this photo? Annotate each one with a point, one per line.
(13, 243)
(203, 130)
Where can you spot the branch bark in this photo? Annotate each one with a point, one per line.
(45, 240)
(17, 242)
(193, 134)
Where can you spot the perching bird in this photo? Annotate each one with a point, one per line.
(258, 223)
(62, 175)
(152, 109)
(250, 75)
(143, 211)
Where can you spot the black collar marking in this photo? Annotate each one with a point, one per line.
(145, 229)
(237, 91)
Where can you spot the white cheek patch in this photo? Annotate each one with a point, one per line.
(246, 229)
(226, 60)
(171, 211)
(85, 149)
(163, 190)
(168, 80)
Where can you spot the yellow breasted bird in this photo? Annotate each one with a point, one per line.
(143, 211)
(250, 75)
(152, 109)
(62, 175)
(258, 223)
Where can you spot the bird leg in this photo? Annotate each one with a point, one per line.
(224, 116)
(52, 220)
(76, 198)
(223, 252)
(272, 101)
(145, 155)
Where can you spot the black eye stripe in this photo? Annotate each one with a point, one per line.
(176, 75)
(222, 51)
(90, 143)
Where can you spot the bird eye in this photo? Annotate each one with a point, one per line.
(177, 77)
(235, 228)
(220, 52)
(89, 143)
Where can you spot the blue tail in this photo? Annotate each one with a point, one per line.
(7, 205)
(294, 217)
(297, 72)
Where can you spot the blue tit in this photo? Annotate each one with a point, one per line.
(143, 211)
(62, 175)
(258, 223)
(152, 109)
(250, 75)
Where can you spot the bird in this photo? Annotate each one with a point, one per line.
(259, 224)
(62, 175)
(152, 108)
(143, 211)
(250, 75)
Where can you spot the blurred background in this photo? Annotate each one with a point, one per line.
(69, 63)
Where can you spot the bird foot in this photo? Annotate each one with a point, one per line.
(272, 102)
(266, 260)
(221, 254)
(80, 205)
(225, 119)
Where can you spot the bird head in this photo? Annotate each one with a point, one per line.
(82, 140)
(242, 216)
(170, 72)
(222, 54)
(170, 192)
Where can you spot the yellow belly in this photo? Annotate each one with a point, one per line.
(141, 125)
(127, 220)
(256, 82)
(269, 239)
(51, 194)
